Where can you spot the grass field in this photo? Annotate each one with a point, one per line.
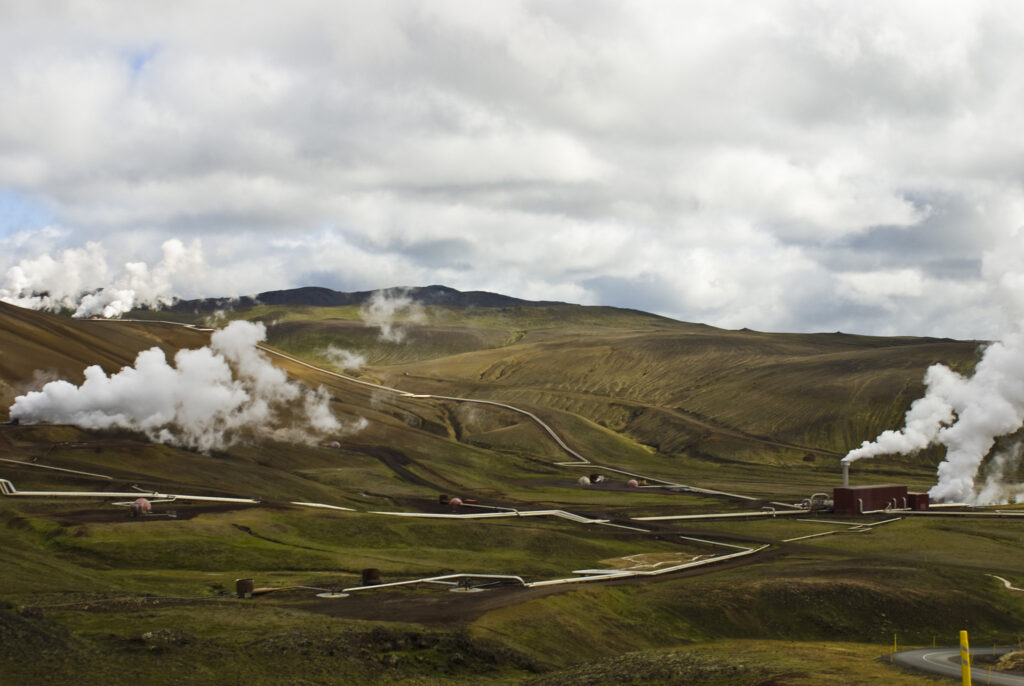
(92, 594)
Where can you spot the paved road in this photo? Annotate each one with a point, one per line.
(946, 662)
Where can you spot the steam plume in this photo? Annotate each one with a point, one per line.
(344, 359)
(385, 306)
(79, 279)
(966, 415)
(210, 398)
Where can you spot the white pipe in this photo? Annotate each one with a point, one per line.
(623, 574)
(8, 489)
(322, 506)
(57, 469)
(437, 579)
(721, 515)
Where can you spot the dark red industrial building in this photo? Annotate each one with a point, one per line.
(854, 500)
(917, 501)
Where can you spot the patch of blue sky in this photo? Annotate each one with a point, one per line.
(20, 212)
(137, 58)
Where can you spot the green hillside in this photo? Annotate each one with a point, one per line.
(91, 593)
(687, 391)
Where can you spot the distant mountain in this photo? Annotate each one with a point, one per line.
(314, 296)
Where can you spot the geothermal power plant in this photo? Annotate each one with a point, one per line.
(856, 500)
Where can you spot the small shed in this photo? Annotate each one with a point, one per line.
(917, 501)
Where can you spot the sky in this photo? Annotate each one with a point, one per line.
(782, 166)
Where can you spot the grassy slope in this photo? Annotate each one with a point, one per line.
(828, 392)
(698, 396)
(574, 366)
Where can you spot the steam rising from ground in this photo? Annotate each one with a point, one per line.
(385, 306)
(344, 359)
(210, 398)
(966, 415)
(79, 279)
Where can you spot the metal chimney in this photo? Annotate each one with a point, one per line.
(846, 475)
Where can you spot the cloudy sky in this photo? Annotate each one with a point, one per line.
(785, 166)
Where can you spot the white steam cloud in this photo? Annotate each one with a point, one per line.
(344, 359)
(386, 306)
(966, 415)
(209, 399)
(79, 279)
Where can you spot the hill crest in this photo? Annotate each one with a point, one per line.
(318, 296)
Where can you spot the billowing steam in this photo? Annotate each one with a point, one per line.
(385, 306)
(966, 415)
(344, 359)
(78, 279)
(210, 398)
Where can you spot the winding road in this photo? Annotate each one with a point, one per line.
(8, 489)
(946, 662)
(581, 461)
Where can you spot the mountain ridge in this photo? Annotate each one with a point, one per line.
(319, 296)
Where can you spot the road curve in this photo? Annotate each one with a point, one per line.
(580, 460)
(946, 662)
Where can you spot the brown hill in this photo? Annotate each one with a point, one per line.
(694, 390)
(36, 346)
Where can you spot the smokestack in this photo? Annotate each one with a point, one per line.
(846, 475)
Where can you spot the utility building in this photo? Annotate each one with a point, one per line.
(854, 500)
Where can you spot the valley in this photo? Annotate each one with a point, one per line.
(704, 421)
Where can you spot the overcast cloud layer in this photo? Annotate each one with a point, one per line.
(775, 165)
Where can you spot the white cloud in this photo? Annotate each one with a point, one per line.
(748, 158)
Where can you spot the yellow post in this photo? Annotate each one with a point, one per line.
(965, 660)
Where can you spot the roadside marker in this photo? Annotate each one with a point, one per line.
(965, 660)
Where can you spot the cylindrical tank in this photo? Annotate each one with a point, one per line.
(371, 577)
(583, 481)
(633, 483)
(145, 507)
(455, 502)
(243, 587)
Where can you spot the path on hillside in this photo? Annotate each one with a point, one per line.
(675, 413)
(684, 416)
(581, 460)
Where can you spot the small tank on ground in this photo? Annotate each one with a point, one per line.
(140, 507)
